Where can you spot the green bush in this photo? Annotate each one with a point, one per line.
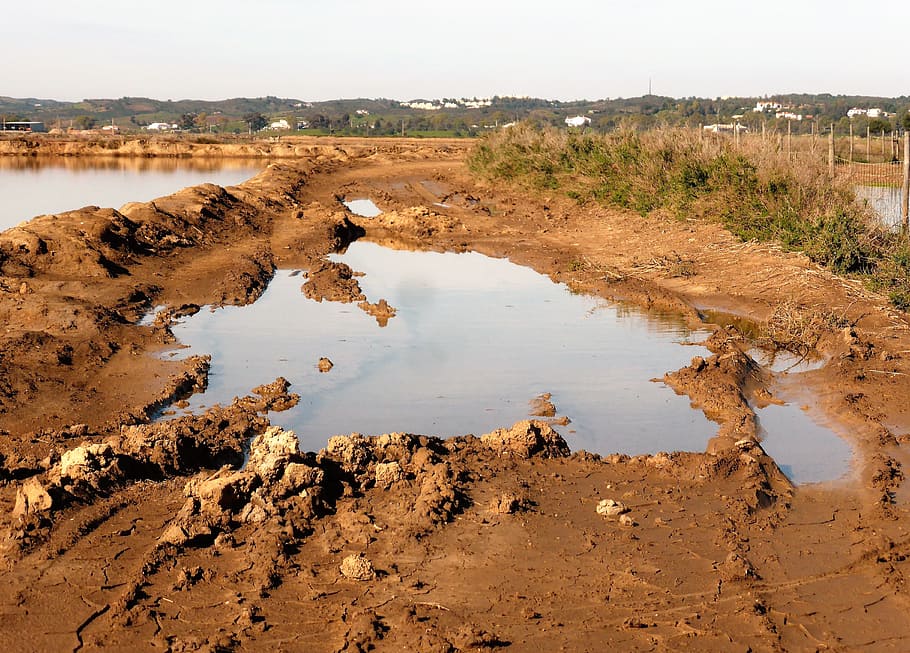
(749, 188)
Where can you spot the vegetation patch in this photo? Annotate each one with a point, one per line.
(748, 187)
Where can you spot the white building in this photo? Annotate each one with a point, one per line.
(160, 127)
(726, 128)
(578, 121)
(761, 107)
(279, 124)
(869, 113)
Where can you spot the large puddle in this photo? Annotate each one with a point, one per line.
(30, 186)
(474, 340)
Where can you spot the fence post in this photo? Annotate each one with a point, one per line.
(851, 142)
(789, 140)
(831, 152)
(905, 188)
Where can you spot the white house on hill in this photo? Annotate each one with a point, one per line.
(578, 121)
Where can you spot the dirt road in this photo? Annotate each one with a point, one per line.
(122, 534)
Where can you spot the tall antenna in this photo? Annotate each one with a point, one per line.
(649, 86)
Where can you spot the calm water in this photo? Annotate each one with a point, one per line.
(473, 341)
(363, 207)
(807, 447)
(30, 187)
(885, 201)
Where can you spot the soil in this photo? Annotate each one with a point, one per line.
(215, 532)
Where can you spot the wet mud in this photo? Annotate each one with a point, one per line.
(217, 532)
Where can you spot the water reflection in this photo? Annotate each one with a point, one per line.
(363, 207)
(884, 201)
(31, 186)
(129, 163)
(474, 339)
(806, 447)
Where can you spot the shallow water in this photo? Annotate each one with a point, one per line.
(885, 202)
(473, 341)
(804, 444)
(363, 207)
(31, 186)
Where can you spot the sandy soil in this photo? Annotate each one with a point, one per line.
(214, 532)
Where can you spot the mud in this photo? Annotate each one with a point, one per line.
(216, 532)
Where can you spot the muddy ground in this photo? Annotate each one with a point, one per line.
(215, 532)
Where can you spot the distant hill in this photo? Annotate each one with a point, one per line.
(461, 116)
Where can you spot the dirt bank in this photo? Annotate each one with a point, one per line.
(214, 532)
(315, 148)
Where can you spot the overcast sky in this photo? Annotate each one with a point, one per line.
(404, 49)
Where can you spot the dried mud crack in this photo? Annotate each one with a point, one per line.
(214, 531)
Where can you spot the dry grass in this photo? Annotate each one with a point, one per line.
(796, 328)
(752, 186)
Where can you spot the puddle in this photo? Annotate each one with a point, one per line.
(363, 207)
(474, 339)
(806, 447)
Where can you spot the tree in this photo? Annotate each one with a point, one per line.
(187, 121)
(905, 121)
(84, 122)
(202, 121)
(255, 120)
(877, 125)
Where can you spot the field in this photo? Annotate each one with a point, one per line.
(214, 532)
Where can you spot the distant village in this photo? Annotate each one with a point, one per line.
(453, 116)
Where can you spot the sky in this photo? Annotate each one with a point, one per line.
(404, 50)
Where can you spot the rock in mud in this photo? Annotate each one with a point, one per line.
(325, 365)
(525, 439)
(611, 508)
(31, 498)
(509, 504)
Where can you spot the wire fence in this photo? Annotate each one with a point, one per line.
(884, 184)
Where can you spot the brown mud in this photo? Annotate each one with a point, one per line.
(215, 532)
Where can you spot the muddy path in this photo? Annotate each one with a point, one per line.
(215, 532)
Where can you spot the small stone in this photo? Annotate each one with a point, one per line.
(23, 288)
(626, 520)
(357, 567)
(611, 508)
(506, 504)
(325, 364)
(31, 498)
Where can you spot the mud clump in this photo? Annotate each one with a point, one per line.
(144, 451)
(541, 406)
(333, 282)
(325, 365)
(718, 385)
(418, 222)
(526, 439)
(357, 567)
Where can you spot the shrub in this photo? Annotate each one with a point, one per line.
(749, 188)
